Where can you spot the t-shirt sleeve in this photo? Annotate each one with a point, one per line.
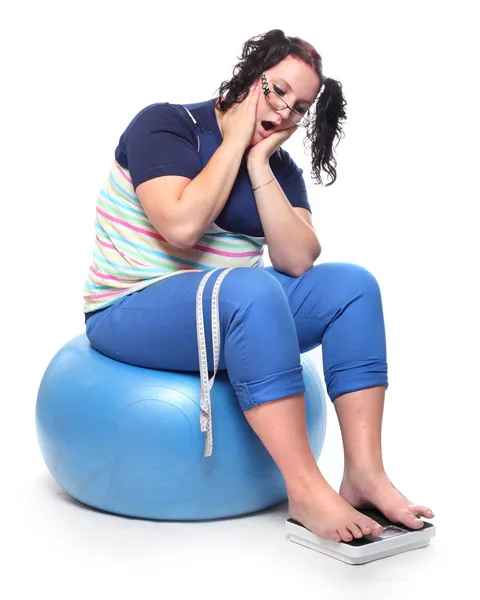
(291, 180)
(159, 141)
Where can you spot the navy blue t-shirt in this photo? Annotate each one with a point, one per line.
(162, 140)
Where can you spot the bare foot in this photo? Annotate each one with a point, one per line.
(321, 510)
(366, 490)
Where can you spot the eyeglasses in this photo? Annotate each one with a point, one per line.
(278, 104)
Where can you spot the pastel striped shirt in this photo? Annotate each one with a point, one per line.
(129, 253)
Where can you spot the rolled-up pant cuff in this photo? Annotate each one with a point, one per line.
(272, 387)
(355, 376)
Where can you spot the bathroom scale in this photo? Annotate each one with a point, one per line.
(394, 539)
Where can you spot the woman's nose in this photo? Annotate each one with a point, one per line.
(278, 117)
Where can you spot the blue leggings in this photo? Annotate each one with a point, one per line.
(266, 320)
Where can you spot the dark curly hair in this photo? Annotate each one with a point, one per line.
(263, 52)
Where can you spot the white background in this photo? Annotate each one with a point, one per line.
(73, 76)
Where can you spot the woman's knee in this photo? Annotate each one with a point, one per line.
(260, 336)
(246, 285)
(351, 278)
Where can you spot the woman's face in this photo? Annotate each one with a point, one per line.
(294, 82)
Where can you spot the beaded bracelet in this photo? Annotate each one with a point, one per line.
(263, 184)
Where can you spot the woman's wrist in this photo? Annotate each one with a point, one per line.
(259, 173)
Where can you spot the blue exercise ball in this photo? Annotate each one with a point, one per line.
(127, 440)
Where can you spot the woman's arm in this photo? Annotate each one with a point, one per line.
(182, 209)
(293, 245)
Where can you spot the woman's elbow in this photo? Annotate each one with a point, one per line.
(183, 240)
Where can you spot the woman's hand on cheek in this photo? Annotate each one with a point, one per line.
(262, 151)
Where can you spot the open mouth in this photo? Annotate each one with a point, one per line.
(267, 125)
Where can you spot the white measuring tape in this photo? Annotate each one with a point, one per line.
(205, 384)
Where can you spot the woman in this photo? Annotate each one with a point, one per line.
(194, 194)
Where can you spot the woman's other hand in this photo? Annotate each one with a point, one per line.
(238, 122)
(261, 152)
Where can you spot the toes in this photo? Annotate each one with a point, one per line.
(377, 529)
(333, 535)
(369, 527)
(345, 534)
(421, 511)
(409, 519)
(355, 531)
